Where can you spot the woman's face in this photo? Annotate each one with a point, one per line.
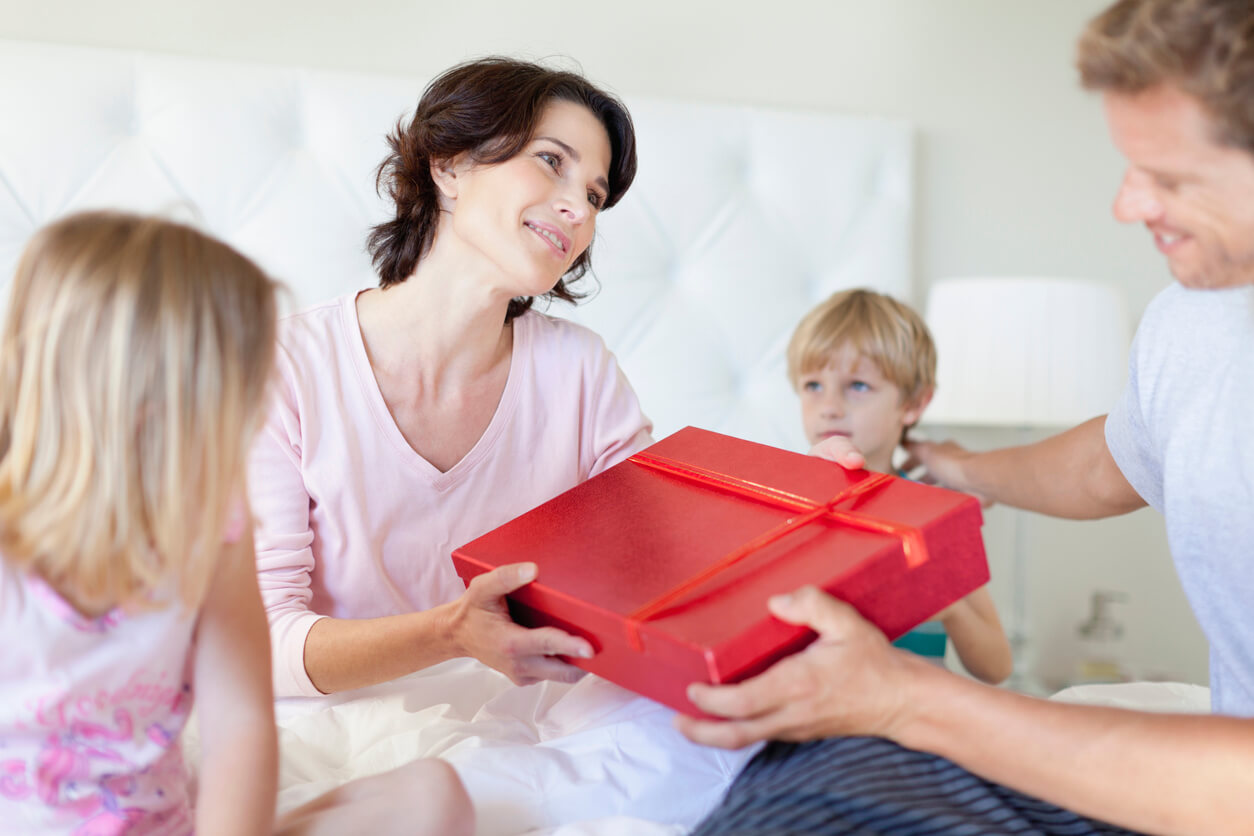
(531, 216)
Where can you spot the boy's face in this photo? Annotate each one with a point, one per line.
(851, 397)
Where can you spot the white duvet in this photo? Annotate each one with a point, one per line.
(588, 759)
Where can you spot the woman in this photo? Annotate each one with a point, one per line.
(411, 418)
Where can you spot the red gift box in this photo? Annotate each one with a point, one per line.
(665, 561)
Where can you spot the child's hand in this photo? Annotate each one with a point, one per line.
(839, 449)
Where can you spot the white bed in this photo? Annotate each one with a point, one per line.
(739, 221)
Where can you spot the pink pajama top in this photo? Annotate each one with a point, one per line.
(352, 523)
(90, 713)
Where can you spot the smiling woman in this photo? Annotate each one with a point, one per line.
(484, 113)
(535, 212)
(407, 418)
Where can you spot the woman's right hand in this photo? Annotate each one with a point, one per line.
(480, 627)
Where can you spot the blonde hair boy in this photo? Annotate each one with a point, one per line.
(864, 366)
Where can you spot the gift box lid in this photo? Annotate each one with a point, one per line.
(626, 556)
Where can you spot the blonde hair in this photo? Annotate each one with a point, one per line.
(1203, 47)
(133, 363)
(888, 333)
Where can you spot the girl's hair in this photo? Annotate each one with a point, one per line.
(133, 363)
(890, 334)
(487, 109)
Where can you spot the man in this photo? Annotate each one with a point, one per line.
(903, 747)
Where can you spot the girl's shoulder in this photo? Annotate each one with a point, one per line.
(31, 606)
(12, 589)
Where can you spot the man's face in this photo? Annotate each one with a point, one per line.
(1195, 196)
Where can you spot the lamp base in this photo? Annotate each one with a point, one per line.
(1021, 679)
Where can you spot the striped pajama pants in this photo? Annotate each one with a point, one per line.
(868, 785)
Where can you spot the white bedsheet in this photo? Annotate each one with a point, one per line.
(588, 759)
(1178, 697)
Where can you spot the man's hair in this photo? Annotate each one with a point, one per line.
(1205, 48)
(887, 332)
(133, 362)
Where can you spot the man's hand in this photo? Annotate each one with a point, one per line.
(480, 626)
(942, 462)
(848, 681)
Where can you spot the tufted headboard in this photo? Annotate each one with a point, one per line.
(739, 221)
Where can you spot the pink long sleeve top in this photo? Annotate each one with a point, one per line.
(353, 523)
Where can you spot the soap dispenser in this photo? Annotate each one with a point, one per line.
(1101, 642)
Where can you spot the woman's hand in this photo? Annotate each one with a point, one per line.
(848, 681)
(480, 627)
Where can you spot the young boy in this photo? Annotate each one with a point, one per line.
(864, 366)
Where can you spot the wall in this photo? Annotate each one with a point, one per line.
(1015, 172)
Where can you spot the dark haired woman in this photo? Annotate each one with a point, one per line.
(411, 418)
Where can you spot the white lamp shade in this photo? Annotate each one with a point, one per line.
(1026, 352)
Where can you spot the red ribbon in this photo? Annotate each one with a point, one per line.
(912, 541)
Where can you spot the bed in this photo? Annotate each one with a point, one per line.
(740, 220)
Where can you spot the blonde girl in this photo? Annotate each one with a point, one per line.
(133, 363)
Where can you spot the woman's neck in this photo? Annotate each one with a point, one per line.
(441, 355)
(439, 325)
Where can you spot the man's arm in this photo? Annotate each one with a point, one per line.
(1157, 773)
(1160, 773)
(1067, 475)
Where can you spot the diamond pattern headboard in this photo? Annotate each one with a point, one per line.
(739, 221)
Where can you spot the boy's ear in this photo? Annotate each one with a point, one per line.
(914, 409)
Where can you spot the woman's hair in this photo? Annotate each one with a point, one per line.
(888, 333)
(487, 109)
(133, 363)
(1203, 47)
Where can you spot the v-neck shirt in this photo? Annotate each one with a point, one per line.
(353, 523)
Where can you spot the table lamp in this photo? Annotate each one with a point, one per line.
(1028, 354)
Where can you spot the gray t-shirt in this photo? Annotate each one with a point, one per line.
(1181, 434)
